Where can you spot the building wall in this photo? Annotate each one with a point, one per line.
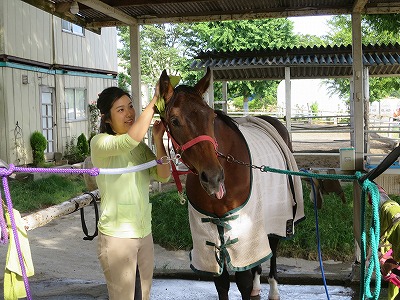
(37, 38)
(90, 51)
(33, 34)
(22, 116)
(21, 112)
(27, 31)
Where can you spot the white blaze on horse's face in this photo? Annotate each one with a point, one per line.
(189, 117)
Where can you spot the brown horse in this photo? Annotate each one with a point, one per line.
(219, 188)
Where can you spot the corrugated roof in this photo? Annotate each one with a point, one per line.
(103, 13)
(304, 62)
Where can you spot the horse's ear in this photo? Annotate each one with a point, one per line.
(204, 82)
(166, 89)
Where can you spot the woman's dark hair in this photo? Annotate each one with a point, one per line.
(104, 103)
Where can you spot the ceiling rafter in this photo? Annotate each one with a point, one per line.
(359, 5)
(94, 14)
(109, 11)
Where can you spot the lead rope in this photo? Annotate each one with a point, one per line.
(15, 233)
(5, 172)
(367, 185)
(370, 187)
(321, 265)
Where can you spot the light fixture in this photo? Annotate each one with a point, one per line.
(74, 9)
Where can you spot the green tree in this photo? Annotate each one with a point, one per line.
(160, 48)
(174, 46)
(376, 29)
(243, 35)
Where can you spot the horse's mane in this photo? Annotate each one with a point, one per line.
(227, 120)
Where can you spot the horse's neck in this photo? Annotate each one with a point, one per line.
(237, 173)
(230, 142)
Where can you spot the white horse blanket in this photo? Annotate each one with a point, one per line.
(240, 237)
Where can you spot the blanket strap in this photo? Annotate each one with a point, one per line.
(222, 222)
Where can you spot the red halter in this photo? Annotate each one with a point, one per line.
(179, 149)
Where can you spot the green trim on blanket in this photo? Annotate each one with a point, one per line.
(249, 267)
(231, 267)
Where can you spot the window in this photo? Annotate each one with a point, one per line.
(71, 28)
(75, 104)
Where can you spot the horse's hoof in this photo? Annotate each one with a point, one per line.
(255, 292)
(258, 297)
(274, 298)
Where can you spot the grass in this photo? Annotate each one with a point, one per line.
(335, 221)
(170, 221)
(30, 196)
(171, 225)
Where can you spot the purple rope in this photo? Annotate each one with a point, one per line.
(4, 173)
(12, 168)
(16, 238)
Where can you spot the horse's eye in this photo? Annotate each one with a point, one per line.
(175, 122)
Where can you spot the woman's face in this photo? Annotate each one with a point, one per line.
(122, 115)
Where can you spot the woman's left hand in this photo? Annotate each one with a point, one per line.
(158, 130)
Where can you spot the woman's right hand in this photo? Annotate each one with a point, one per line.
(156, 93)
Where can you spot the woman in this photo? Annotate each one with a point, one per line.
(125, 239)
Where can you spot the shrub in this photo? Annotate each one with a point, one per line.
(94, 119)
(82, 146)
(38, 144)
(76, 153)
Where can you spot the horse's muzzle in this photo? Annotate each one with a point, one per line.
(213, 183)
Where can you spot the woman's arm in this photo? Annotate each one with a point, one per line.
(139, 128)
(163, 170)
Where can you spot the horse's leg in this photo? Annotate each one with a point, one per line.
(256, 271)
(222, 284)
(273, 276)
(244, 282)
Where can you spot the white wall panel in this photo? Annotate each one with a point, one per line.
(90, 51)
(2, 17)
(27, 31)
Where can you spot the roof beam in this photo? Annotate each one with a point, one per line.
(109, 11)
(240, 16)
(359, 5)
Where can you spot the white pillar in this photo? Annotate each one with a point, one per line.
(211, 91)
(225, 97)
(357, 97)
(135, 68)
(358, 94)
(288, 99)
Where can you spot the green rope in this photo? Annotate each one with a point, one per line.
(370, 187)
(367, 186)
(314, 175)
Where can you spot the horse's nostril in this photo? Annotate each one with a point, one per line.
(204, 177)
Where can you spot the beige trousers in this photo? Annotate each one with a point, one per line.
(119, 259)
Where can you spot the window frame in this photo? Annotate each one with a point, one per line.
(68, 27)
(76, 105)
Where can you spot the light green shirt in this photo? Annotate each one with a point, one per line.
(125, 210)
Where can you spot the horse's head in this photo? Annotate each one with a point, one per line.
(190, 122)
